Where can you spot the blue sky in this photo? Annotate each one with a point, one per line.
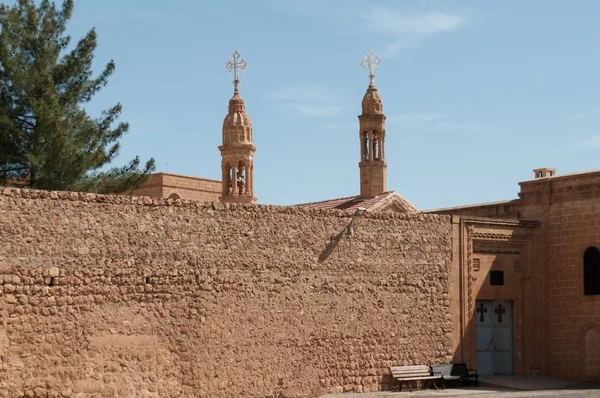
(477, 94)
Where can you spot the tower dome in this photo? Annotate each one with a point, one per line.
(237, 126)
(371, 103)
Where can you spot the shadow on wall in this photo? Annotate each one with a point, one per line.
(347, 231)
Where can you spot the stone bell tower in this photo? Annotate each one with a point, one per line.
(237, 151)
(372, 137)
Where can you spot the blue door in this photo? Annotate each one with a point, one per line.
(494, 337)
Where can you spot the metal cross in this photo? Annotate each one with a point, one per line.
(481, 310)
(370, 61)
(236, 64)
(500, 310)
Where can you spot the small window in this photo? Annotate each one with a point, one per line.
(591, 271)
(497, 278)
(517, 266)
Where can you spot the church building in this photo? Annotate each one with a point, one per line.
(525, 273)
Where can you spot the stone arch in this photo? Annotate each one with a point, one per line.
(174, 195)
(365, 142)
(375, 145)
(591, 353)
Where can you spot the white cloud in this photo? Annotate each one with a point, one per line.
(311, 101)
(408, 29)
(389, 21)
(400, 28)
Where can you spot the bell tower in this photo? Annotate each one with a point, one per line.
(372, 137)
(237, 151)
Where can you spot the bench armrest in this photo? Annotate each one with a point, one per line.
(472, 373)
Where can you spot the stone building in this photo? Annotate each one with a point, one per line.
(536, 261)
(176, 186)
(112, 295)
(525, 280)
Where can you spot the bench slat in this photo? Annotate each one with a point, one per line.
(410, 367)
(419, 378)
(411, 374)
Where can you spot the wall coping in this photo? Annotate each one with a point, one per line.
(147, 201)
(476, 205)
(186, 177)
(580, 174)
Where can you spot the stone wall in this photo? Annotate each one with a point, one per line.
(120, 297)
(509, 209)
(569, 208)
(167, 185)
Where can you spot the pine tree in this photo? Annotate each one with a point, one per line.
(47, 140)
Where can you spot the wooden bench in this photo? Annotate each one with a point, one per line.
(406, 374)
(455, 371)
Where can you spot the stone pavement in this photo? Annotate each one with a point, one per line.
(485, 392)
(497, 387)
(529, 383)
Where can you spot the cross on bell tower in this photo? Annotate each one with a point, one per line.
(370, 62)
(372, 136)
(237, 151)
(236, 64)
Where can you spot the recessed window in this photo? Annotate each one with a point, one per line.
(497, 278)
(591, 271)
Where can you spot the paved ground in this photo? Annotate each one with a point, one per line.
(475, 392)
(497, 387)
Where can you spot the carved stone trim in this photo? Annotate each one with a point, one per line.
(515, 242)
(470, 282)
(503, 236)
(503, 247)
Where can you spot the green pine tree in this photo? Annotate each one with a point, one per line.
(47, 140)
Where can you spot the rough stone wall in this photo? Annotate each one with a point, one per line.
(115, 296)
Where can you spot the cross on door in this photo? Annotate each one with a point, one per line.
(481, 309)
(500, 310)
